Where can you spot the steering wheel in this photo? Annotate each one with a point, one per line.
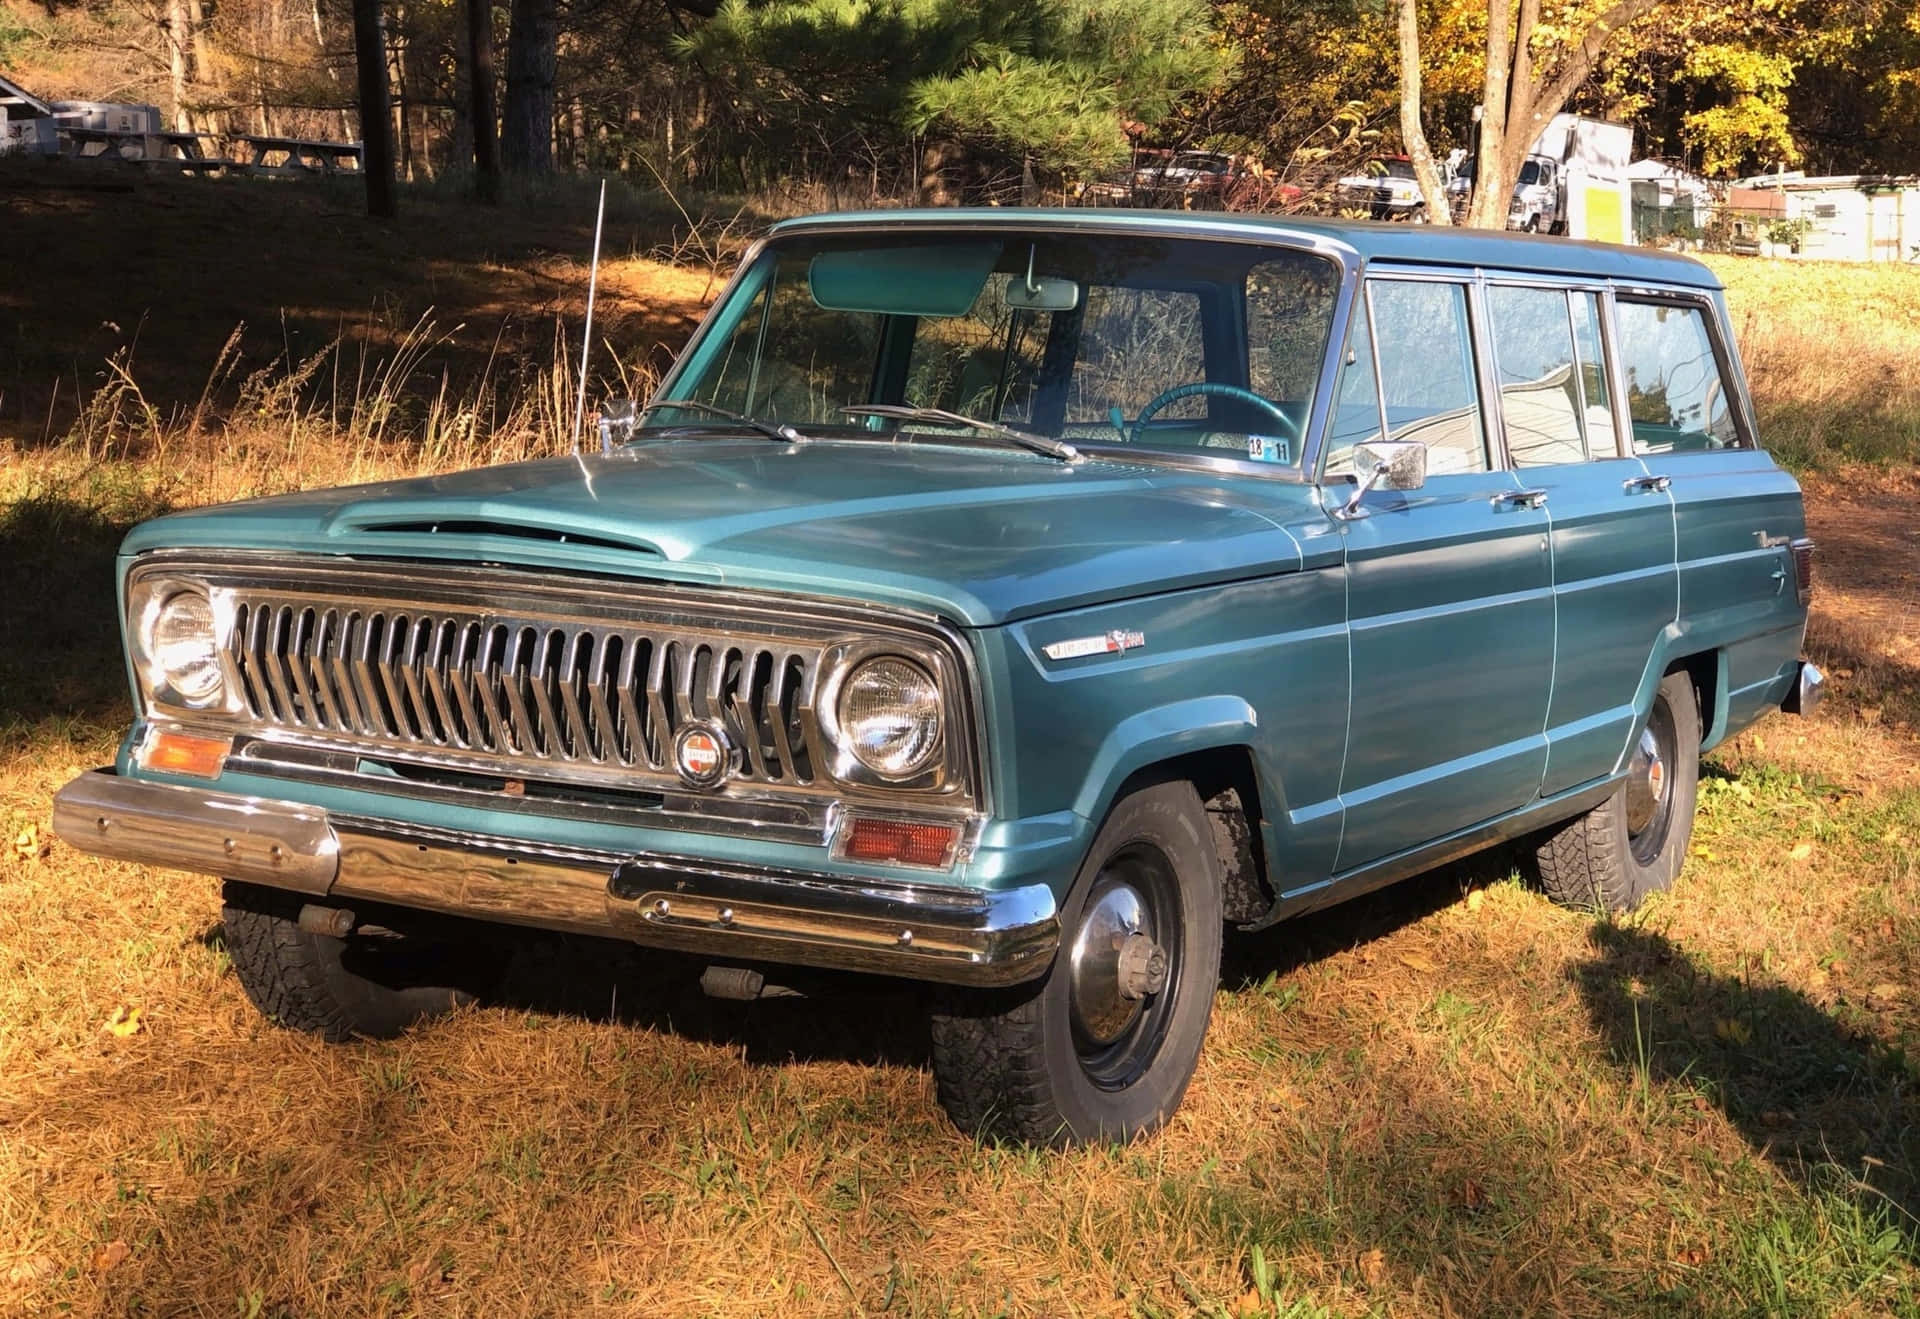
(1210, 388)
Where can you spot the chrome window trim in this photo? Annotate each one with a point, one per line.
(597, 599)
(1344, 256)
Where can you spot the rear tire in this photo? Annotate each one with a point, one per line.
(1634, 843)
(1101, 1048)
(372, 984)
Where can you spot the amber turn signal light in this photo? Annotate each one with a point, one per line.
(182, 753)
(900, 842)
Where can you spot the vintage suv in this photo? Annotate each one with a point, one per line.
(1003, 599)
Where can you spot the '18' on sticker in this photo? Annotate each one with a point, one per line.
(1266, 449)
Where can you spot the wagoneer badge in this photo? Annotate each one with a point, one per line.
(702, 755)
(1116, 642)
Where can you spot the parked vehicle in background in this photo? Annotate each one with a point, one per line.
(1573, 181)
(1205, 180)
(1009, 600)
(1385, 190)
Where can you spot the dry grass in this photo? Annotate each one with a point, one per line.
(1830, 351)
(1448, 1099)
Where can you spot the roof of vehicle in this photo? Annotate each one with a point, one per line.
(1373, 241)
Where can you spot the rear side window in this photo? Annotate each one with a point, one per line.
(1677, 391)
(1553, 387)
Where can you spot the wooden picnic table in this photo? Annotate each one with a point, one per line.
(268, 154)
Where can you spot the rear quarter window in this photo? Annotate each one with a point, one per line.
(1678, 394)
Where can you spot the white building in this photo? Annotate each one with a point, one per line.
(1848, 217)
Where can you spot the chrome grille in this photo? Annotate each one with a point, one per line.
(530, 691)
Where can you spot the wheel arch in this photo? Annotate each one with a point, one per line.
(1228, 783)
(1706, 669)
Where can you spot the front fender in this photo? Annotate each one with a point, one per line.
(1201, 723)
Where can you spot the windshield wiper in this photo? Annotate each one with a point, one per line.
(773, 431)
(1052, 448)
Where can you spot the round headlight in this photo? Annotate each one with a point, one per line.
(184, 652)
(890, 717)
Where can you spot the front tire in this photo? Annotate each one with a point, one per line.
(370, 984)
(1103, 1047)
(1634, 843)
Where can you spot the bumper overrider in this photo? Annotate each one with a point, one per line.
(925, 932)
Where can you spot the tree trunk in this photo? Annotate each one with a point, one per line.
(376, 106)
(203, 71)
(1519, 103)
(486, 138)
(1411, 133)
(526, 136)
(177, 62)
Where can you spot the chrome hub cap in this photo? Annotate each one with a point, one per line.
(1646, 783)
(1115, 962)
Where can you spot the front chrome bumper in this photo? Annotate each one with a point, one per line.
(1808, 690)
(925, 932)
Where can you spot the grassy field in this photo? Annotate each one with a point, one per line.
(1450, 1098)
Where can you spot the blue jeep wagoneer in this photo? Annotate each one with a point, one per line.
(1004, 599)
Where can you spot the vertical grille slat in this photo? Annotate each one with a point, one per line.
(743, 719)
(249, 629)
(512, 678)
(500, 689)
(270, 653)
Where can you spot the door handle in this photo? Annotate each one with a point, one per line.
(1520, 499)
(1643, 485)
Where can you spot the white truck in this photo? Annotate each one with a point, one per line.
(1573, 181)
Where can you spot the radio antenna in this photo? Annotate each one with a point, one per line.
(586, 337)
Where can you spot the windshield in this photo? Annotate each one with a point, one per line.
(1396, 169)
(1071, 337)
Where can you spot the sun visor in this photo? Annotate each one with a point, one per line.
(934, 280)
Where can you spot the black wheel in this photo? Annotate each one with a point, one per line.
(1634, 842)
(1103, 1047)
(373, 983)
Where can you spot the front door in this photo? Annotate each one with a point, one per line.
(1450, 595)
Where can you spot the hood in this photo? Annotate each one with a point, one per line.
(979, 535)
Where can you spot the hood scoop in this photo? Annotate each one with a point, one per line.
(514, 530)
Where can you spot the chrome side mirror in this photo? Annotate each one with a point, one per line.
(616, 422)
(1389, 464)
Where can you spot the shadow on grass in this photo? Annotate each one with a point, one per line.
(1818, 1099)
(60, 657)
(841, 1018)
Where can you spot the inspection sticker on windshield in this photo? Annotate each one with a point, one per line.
(1266, 449)
(1116, 642)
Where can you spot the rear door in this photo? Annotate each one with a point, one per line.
(1614, 589)
(1736, 513)
(1450, 591)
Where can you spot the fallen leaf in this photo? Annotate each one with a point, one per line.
(34, 1268)
(1733, 1031)
(1417, 961)
(30, 844)
(1250, 1306)
(1373, 1267)
(1801, 851)
(1473, 1195)
(124, 1022)
(1883, 996)
(111, 1256)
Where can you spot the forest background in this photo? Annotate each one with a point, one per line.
(940, 100)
